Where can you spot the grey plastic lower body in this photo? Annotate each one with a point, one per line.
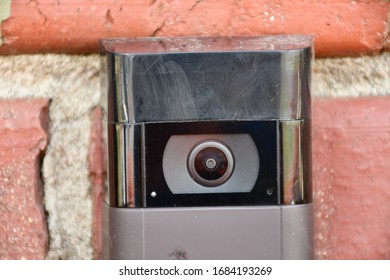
(259, 232)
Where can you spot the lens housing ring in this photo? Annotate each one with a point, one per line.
(198, 148)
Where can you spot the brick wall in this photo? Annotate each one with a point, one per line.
(23, 140)
(351, 178)
(341, 27)
(51, 189)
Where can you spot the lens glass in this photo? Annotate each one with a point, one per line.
(211, 163)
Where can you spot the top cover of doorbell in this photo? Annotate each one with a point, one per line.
(207, 121)
(207, 78)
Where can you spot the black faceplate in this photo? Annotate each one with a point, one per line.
(265, 191)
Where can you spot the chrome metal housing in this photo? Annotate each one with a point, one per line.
(186, 79)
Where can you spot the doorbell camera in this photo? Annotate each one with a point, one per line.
(210, 163)
(208, 146)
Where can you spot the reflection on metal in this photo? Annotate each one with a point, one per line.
(292, 162)
(229, 78)
(290, 83)
(123, 173)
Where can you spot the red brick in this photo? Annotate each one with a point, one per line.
(97, 171)
(23, 139)
(351, 177)
(340, 27)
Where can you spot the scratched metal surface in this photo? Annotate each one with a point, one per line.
(206, 44)
(217, 82)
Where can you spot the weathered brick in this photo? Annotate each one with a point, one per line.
(23, 139)
(340, 27)
(351, 177)
(97, 171)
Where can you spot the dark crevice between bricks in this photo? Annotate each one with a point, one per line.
(41, 195)
(158, 29)
(45, 123)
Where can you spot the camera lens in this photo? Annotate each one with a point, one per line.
(210, 163)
